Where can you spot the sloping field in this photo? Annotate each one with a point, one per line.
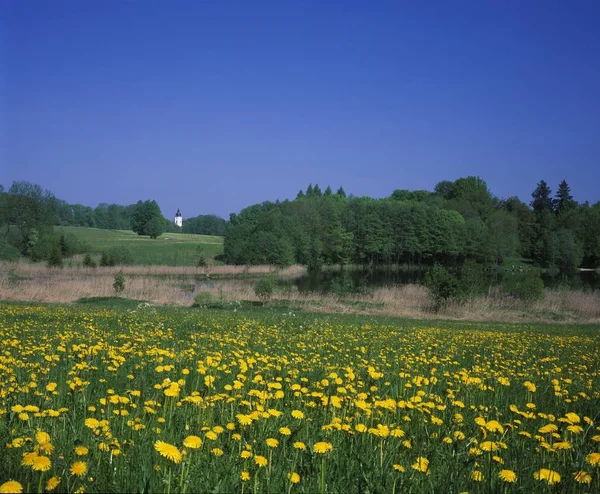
(170, 249)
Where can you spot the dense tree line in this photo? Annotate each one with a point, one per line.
(457, 221)
(207, 224)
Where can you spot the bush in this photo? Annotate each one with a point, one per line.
(55, 259)
(204, 299)
(88, 261)
(120, 256)
(201, 263)
(524, 286)
(116, 256)
(119, 282)
(265, 288)
(473, 279)
(442, 285)
(8, 252)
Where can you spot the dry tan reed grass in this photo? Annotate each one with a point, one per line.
(23, 268)
(179, 287)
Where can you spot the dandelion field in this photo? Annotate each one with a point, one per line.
(179, 400)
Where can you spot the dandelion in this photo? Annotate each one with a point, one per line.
(582, 477)
(322, 447)
(593, 459)
(79, 468)
(42, 437)
(300, 445)
(507, 476)
(293, 477)
(217, 451)
(272, 443)
(81, 450)
(28, 459)
(245, 476)
(285, 431)
(477, 475)
(421, 465)
(52, 483)
(12, 486)
(297, 414)
(549, 476)
(399, 468)
(168, 451)
(261, 461)
(192, 442)
(41, 464)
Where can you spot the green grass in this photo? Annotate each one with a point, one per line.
(170, 249)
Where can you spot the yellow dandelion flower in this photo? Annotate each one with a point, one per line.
(245, 454)
(261, 461)
(297, 414)
(494, 426)
(28, 459)
(12, 486)
(41, 464)
(293, 477)
(549, 476)
(192, 442)
(211, 435)
(399, 468)
(322, 447)
(360, 428)
(81, 450)
(507, 476)
(272, 443)
(168, 451)
(593, 459)
(245, 476)
(582, 477)
(421, 465)
(52, 483)
(42, 437)
(300, 445)
(477, 475)
(217, 451)
(79, 468)
(285, 431)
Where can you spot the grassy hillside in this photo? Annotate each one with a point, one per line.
(172, 249)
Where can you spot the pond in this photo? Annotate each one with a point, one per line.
(357, 279)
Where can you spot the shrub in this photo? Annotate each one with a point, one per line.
(201, 263)
(89, 261)
(442, 285)
(473, 279)
(204, 299)
(524, 286)
(119, 282)
(8, 252)
(55, 259)
(120, 255)
(265, 288)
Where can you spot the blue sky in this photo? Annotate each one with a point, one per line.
(212, 106)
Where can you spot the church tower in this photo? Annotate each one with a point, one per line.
(178, 219)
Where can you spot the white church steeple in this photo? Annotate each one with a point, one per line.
(178, 219)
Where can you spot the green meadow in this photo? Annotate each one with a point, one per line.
(170, 249)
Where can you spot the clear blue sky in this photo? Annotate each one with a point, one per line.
(211, 106)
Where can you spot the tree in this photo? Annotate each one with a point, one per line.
(542, 201)
(328, 191)
(300, 194)
(341, 192)
(563, 200)
(155, 226)
(443, 188)
(565, 251)
(143, 213)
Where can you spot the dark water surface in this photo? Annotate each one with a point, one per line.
(328, 280)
